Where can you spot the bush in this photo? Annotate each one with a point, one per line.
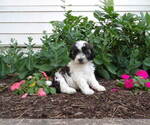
(121, 45)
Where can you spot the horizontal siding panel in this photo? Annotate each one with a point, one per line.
(87, 14)
(31, 16)
(132, 2)
(57, 9)
(124, 12)
(31, 8)
(83, 2)
(21, 38)
(24, 27)
(83, 8)
(132, 8)
(30, 2)
(117, 8)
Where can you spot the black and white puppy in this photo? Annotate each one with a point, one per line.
(79, 73)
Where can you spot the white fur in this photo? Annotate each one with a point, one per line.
(82, 77)
(80, 44)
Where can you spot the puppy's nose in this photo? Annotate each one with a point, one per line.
(80, 60)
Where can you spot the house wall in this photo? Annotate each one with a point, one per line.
(22, 18)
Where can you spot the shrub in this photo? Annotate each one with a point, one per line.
(121, 44)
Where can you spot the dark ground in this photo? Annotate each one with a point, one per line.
(120, 104)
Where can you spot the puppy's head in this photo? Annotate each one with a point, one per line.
(81, 52)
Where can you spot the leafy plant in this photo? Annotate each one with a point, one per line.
(71, 29)
(52, 56)
(121, 45)
(120, 42)
(35, 84)
(10, 59)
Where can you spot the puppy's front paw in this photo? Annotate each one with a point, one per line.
(88, 92)
(70, 91)
(101, 88)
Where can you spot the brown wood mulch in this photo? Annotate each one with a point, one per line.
(119, 104)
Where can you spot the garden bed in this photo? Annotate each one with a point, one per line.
(110, 104)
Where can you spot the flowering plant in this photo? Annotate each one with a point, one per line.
(140, 81)
(37, 84)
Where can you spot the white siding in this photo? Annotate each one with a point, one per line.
(22, 18)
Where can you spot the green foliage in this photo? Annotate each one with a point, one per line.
(10, 59)
(52, 56)
(71, 29)
(121, 44)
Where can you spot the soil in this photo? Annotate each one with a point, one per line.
(110, 104)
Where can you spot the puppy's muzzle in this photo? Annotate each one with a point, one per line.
(80, 60)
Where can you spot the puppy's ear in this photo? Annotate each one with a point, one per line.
(71, 53)
(92, 54)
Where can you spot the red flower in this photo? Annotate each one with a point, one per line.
(147, 84)
(24, 95)
(45, 75)
(142, 73)
(125, 76)
(129, 83)
(41, 92)
(17, 85)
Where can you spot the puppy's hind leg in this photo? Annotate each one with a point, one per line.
(64, 87)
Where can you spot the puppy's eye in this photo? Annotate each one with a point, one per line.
(85, 50)
(76, 51)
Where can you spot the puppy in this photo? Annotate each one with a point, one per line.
(79, 73)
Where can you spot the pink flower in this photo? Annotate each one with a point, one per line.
(17, 85)
(114, 89)
(125, 76)
(24, 95)
(45, 75)
(142, 73)
(22, 82)
(41, 92)
(129, 83)
(147, 84)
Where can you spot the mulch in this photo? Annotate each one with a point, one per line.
(119, 104)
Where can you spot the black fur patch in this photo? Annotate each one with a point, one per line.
(88, 51)
(65, 70)
(73, 52)
(56, 85)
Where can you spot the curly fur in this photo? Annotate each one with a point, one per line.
(79, 73)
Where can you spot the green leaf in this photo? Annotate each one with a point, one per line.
(147, 18)
(120, 84)
(111, 68)
(52, 90)
(23, 74)
(98, 62)
(44, 67)
(104, 73)
(146, 62)
(31, 91)
(41, 82)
